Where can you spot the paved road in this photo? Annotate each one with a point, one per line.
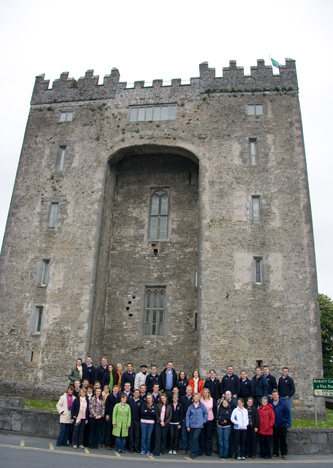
(18, 451)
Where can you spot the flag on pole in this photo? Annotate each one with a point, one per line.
(275, 63)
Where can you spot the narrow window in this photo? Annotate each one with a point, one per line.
(159, 210)
(62, 154)
(255, 208)
(196, 279)
(39, 317)
(53, 214)
(258, 272)
(155, 311)
(45, 272)
(253, 151)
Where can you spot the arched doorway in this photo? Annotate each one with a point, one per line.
(145, 308)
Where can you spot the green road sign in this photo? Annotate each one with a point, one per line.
(323, 387)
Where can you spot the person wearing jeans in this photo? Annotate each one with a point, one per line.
(196, 417)
(147, 422)
(223, 428)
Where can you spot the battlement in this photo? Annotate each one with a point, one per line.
(67, 89)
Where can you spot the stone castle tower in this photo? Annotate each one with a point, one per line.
(162, 221)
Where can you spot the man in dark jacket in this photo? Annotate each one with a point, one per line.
(186, 401)
(100, 370)
(260, 388)
(271, 381)
(152, 379)
(230, 382)
(88, 370)
(282, 414)
(245, 386)
(286, 388)
(134, 431)
(213, 384)
(112, 399)
(128, 376)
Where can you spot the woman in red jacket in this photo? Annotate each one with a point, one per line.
(266, 423)
(196, 383)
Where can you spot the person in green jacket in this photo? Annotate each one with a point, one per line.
(121, 421)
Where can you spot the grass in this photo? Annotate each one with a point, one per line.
(50, 406)
(311, 423)
(41, 405)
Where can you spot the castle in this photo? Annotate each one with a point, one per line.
(162, 221)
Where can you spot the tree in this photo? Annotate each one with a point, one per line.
(326, 319)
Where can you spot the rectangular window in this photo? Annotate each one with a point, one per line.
(159, 211)
(155, 311)
(258, 272)
(66, 116)
(39, 318)
(62, 154)
(53, 214)
(153, 113)
(45, 272)
(253, 151)
(255, 208)
(255, 109)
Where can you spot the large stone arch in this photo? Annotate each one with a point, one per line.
(131, 264)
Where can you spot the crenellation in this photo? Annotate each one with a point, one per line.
(87, 88)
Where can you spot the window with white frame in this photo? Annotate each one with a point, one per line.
(155, 311)
(159, 211)
(66, 116)
(255, 208)
(255, 109)
(153, 113)
(53, 214)
(253, 151)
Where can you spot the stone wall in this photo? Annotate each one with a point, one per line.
(102, 259)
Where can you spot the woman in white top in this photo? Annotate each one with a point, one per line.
(240, 419)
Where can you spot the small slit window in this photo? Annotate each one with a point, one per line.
(38, 319)
(258, 270)
(253, 151)
(45, 272)
(255, 208)
(62, 154)
(53, 214)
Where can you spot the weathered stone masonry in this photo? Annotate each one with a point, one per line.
(232, 264)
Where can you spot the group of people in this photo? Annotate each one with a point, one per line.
(150, 413)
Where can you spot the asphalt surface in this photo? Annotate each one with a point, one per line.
(17, 450)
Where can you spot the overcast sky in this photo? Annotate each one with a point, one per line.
(149, 40)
